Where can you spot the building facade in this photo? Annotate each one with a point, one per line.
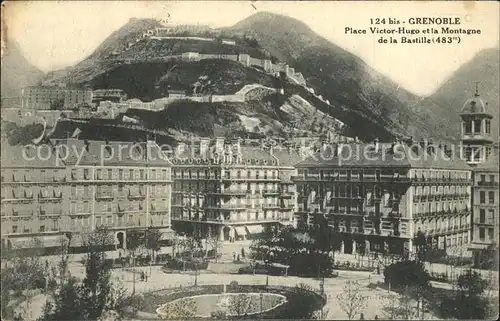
(482, 155)
(113, 95)
(83, 185)
(47, 98)
(379, 196)
(231, 190)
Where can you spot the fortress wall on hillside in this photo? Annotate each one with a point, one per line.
(219, 56)
(228, 98)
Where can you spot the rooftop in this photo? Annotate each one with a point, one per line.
(386, 155)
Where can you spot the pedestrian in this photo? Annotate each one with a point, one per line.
(361, 316)
(376, 317)
(242, 253)
(238, 258)
(234, 256)
(146, 276)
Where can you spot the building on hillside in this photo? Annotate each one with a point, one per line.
(113, 95)
(174, 93)
(229, 42)
(231, 190)
(122, 186)
(481, 154)
(378, 196)
(46, 98)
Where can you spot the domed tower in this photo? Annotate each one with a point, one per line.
(476, 131)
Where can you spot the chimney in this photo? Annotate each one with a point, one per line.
(204, 146)
(219, 145)
(377, 145)
(180, 149)
(447, 151)
(237, 145)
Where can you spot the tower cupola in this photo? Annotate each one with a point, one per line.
(476, 130)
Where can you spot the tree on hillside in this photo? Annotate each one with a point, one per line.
(351, 300)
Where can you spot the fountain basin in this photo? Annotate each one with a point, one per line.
(247, 304)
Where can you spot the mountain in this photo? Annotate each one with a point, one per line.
(17, 72)
(483, 68)
(342, 77)
(97, 63)
(368, 103)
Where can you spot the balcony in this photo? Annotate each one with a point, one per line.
(270, 206)
(226, 207)
(487, 184)
(136, 196)
(286, 194)
(47, 197)
(103, 196)
(229, 193)
(270, 192)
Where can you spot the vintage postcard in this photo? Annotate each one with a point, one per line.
(249, 160)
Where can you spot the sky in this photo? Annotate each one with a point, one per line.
(56, 34)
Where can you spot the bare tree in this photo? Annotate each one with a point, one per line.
(351, 300)
(215, 244)
(400, 307)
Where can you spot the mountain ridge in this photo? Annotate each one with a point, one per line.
(482, 69)
(17, 72)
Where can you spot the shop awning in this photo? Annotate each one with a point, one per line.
(167, 234)
(22, 242)
(255, 229)
(53, 240)
(240, 230)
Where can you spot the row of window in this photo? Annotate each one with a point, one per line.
(491, 197)
(475, 126)
(491, 216)
(482, 234)
(121, 174)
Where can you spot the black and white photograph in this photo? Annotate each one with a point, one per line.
(225, 160)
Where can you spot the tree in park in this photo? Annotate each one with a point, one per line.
(400, 306)
(215, 244)
(135, 239)
(153, 239)
(351, 300)
(406, 274)
(178, 310)
(240, 305)
(96, 294)
(19, 274)
(468, 301)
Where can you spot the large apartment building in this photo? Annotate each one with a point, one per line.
(482, 155)
(231, 190)
(70, 187)
(378, 196)
(53, 97)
